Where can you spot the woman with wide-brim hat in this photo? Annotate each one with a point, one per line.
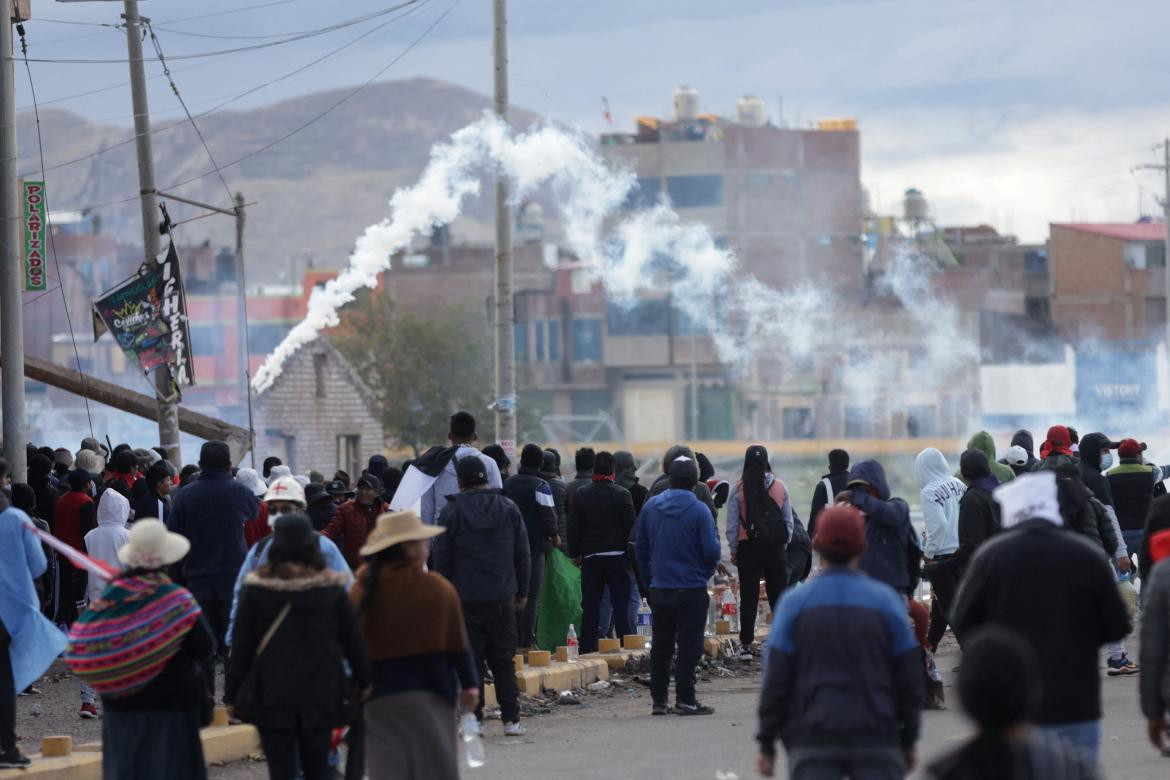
(140, 645)
(423, 669)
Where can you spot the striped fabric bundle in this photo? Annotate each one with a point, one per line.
(121, 643)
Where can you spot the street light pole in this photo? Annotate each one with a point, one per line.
(505, 406)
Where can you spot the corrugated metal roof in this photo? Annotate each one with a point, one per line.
(1126, 231)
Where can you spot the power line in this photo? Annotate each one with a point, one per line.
(254, 47)
(52, 243)
(232, 98)
(175, 88)
(231, 11)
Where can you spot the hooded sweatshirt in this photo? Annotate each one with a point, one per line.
(984, 441)
(1023, 438)
(702, 492)
(676, 542)
(1092, 445)
(940, 502)
(889, 536)
(627, 477)
(111, 534)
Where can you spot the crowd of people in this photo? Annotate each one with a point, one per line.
(378, 604)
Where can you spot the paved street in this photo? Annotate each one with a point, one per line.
(615, 738)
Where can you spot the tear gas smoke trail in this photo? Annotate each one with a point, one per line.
(650, 251)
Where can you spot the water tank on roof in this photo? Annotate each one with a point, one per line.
(914, 207)
(686, 103)
(531, 219)
(751, 111)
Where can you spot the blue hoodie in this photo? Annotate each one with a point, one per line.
(888, 533)
(675, 541)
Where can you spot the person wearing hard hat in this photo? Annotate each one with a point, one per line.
(285, 496)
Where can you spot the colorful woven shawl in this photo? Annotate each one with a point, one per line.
(123, 641)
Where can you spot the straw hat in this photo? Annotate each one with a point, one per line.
(251, 480)
(152, 546)
(396, 527)
(286, 489)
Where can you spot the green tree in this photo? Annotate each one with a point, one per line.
(421, 368)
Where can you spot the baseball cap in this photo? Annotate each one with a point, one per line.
(369, 480)
(1016, 456)
(684, 473)
(840, 530)
(1130, 448)
(470, 471)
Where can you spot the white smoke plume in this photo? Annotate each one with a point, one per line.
(632, 252)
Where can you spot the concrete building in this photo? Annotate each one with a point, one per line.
(319, 414)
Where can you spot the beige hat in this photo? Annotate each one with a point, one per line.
(396, 527)
(286, 489)
(152, 546)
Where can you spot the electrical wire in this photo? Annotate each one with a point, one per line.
(175, 88)
(413, 9)
(254, 47)
(52, 244)
(231, 11)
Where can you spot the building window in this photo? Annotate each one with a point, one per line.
(920, 422)
(857, 422)
(587, 341)
(644, 194)
(520, 337)
(692, 192)
(538, 326)
(798, 423)
(1155, 256)
(644, 318)
(349, 453)
(1038, 309)
(554, 341)
(1036, 261)
(320, 361)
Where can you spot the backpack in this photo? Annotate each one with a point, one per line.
(772, 529)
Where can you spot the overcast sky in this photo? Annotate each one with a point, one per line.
(1010, 112)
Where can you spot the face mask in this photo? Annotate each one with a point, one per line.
(1107, 461)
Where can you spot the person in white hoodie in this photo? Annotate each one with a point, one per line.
(940, 513)
(103, 543)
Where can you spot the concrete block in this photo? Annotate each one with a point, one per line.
(634, 642)
(528, 681)
(609, 645)
(489, 696)
(519, 661)
(722, 627)
(538, 658)
(229, 744)
(220, 718)
(56, 746)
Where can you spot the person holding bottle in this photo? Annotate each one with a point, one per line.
(412, 623)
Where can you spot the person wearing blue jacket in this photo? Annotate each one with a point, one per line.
(892, 554)
(843, 685)
(677, 551)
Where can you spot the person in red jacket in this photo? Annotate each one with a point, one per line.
(258, 527)
(356, 518)
(74, 515)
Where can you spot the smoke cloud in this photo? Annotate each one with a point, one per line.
(632, 252)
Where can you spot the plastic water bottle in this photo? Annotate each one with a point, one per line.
(645, 620)
(730, 610)
(472, 744)
(572, 643)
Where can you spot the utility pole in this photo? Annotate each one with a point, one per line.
(11, 275)
(242, 321)
(1165, 169)
(505, 343)
(167, 393)
(694, 384)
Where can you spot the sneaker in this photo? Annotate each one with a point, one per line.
(89, 711)
(30, 691)
(14, 759)
(745, 655)
(692, 709)
(660, 709)
(1117, 667)
(514, 730)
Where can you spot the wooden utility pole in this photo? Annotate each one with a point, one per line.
(12, 272)
(505, 342)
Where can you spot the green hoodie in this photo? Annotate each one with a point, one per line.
(984, 441)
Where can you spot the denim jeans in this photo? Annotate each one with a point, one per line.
(598, 574)
(679, 616)
(605, 623)
(1086, 736)
(846, 761)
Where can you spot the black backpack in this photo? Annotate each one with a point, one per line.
(772, 528)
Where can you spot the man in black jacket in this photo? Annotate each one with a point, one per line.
(978, 512)
(485, 555)
(583, 460)
(157, 501)
(836, 481)
(535, 499)
(599, 530)
(551, 471)
(1057, 590)
(1132, 484)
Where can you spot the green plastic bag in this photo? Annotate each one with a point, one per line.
(560, 601)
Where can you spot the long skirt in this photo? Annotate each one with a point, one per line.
(411, 736)
(151, 745)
